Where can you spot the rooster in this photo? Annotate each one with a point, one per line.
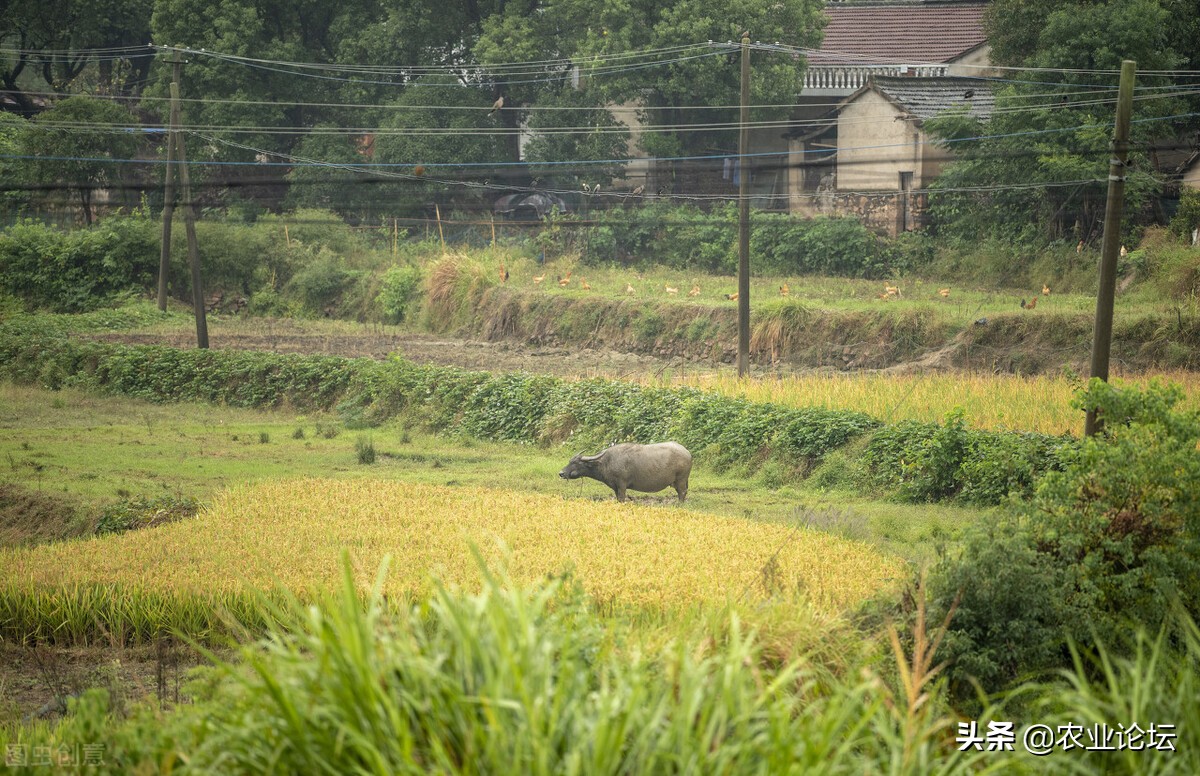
(1032, 303)
(565, 281)
(733, 296)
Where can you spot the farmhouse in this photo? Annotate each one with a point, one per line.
(868, 47)
(857, 146)
(882, 156)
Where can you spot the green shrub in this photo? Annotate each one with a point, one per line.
(1187, 217)
(78, 270)
(1100, 553)
(397, 289)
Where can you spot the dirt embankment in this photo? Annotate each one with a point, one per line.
(793, 337)
(512, 331)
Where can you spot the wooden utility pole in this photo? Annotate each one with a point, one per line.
(189, 216)
(1111, 245)
(164, 257)
(743, 353)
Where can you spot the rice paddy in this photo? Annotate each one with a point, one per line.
(290, 533)
(991, 401)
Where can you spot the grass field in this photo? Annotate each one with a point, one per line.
(92, 450)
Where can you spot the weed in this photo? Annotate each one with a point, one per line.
(263, 437)
(364, 449)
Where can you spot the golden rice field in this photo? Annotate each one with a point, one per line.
(293, 532)
(1000, 401)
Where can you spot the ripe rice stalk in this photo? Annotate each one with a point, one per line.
(288, 534)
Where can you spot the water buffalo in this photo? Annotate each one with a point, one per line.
(646, 468)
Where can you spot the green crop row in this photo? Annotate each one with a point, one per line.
(913, 461)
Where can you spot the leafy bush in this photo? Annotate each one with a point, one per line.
(1187, 217)
(928, 461)
(1101, 551)
(81, 269)
(397, 289)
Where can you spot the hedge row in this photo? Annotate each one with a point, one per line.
(915, 461)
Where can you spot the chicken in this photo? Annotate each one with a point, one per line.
(629, 289)
(1079, 247)
(584, 284)
(695, 290)
(733, 296)
(539, 278)
(891, 290)
(1032, 303)
(503, 273)
(944, 292)
(669, 290)
(564, 281)
(1045, 290)
(1124, 252)
(784, 290)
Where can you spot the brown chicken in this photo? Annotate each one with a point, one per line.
(784, 290)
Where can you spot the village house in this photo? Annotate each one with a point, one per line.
(856, 144)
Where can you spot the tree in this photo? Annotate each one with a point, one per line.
(12, 185)
(593, 135)
(82, 144)
(350, 190)
(1054, 125)
(55, 48)
(433, 143)
(584, 34)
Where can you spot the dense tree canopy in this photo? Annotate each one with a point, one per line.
(1054, 123)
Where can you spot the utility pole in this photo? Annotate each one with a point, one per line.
(189, 214)
(1111, 245)
(164, 257)
(743, 353)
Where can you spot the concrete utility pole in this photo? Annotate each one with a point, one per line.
(1111, 245)
(743, 353)
(179, 155)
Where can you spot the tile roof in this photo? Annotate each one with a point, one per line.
(913, 32)
(925, 98)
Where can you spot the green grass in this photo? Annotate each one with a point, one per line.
(98, 449)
